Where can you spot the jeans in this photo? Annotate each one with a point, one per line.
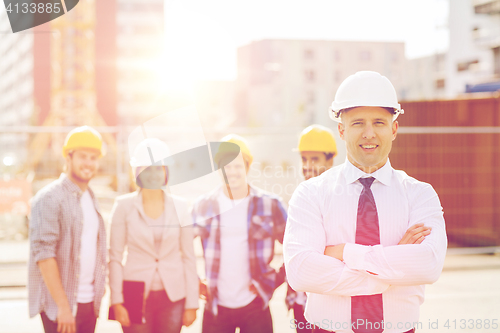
(85, 320)
(250, 319)
(161, 314)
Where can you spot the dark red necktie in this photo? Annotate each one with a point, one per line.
(367, 311)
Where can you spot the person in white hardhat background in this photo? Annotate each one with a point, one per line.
(238, 246)
(363, 238)
(317, 148)
(148, 223)
(67, 265)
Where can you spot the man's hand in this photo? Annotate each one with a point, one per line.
(121, 315)
(335, 251)
(65, 320)
(188, 317)
(415, 234)
(203, 289)
(50, 273)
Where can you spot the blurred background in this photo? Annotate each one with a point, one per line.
(264, 70)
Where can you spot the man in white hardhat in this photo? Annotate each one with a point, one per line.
(362, 238)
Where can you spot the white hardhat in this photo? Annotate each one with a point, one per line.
(365, 88)
(151, 151)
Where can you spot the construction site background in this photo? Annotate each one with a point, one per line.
(442, 142)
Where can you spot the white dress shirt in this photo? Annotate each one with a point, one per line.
(323, 211)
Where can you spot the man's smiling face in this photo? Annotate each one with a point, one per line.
(368, 132)
(83, 164)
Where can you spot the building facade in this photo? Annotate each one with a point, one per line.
(39, 75)
(139, 41)
(292, 82)
(425, 77)
(24, 59)
(474, 52)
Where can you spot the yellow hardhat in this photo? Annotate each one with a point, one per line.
(83, 137)
(317, 138)
(236, 139)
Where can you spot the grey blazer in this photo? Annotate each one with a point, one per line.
(175, 261)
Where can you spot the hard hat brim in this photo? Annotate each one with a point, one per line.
(67, 151)
(336, 115)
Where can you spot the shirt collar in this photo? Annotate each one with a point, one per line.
(69, 185)
(383, 174)
(77, 191)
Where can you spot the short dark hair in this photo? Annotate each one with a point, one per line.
(329, 155)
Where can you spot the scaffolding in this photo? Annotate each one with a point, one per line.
(73, 93)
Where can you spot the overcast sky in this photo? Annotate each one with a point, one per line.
(203, 35)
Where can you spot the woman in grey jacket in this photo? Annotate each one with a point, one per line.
(155, 229)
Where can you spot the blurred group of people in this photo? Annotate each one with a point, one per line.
(237, 224)
(333, 246)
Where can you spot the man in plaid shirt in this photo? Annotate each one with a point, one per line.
(238, 225)
(67, 266)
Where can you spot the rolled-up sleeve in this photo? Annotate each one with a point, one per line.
(44, 228)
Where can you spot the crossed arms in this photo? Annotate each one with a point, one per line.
(353, 269)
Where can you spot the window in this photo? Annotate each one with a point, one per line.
(310, 75)
(465, 66)
(462, 66)
(496, 60)
(440, 83)
(309, 54)
(439, 64)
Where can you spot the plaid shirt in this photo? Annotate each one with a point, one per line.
(266, 220)
(291, 297)
(56, 232)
